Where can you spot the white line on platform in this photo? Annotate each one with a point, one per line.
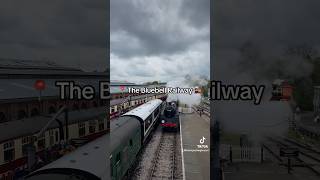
(181, 143)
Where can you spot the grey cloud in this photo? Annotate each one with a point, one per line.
(266, 22)
(31, 28)
(159, 40)
(159, 26)
(197, 12)
(272, 26)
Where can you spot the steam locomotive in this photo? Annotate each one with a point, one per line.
(170, 117)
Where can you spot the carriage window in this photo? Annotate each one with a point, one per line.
(57, 136)
(82, 129)
(52, 110)
(8, 151)
(101, 124)
(41, 142)
(92, 126)
(51, 140)
(112, 109)
(118, 157)
(148, 122)
(22, 114)
(130, 142)
(157, 111)
(25, 142)
(34, 112)
(3, 117)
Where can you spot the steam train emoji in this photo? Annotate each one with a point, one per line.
(198, 90)
(281, 90)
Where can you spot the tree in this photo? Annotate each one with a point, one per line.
(302, 50)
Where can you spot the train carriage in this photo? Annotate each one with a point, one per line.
(126, 144)
(88, 162)
(110, 155)
(148, 114)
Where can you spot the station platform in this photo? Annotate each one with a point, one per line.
(195, 142)
(265, 171)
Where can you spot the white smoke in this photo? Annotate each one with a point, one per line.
(187, 82)
(268, 118)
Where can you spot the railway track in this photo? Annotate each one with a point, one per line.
(307, 158)
(205, 108)
(164, 162)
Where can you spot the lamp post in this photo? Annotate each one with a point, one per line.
(40, 85)
(31, 148)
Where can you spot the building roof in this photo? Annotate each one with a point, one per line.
(23, 63)
(16, 68)
(31, 126)
(119, 83)
(24, 88)
(145, 109)
(17, 78)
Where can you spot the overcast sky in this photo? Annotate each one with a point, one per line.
(71, 33)
(271, 26)
(159, 39)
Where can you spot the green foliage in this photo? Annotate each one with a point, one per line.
(316, 72)
(303, 93)
(205, 91)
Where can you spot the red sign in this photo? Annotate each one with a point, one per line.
(122, 88)
(40, 85)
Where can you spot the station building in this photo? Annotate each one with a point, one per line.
(122, 101)
(29, 99)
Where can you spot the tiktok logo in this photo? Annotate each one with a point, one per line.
(202, 140)
(202, 145)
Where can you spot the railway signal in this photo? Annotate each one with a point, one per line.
(289, 153)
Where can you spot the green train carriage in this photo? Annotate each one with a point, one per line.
(128, 135)
(126, 144)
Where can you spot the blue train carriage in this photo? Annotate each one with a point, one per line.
(170, 117)
(88, 162)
